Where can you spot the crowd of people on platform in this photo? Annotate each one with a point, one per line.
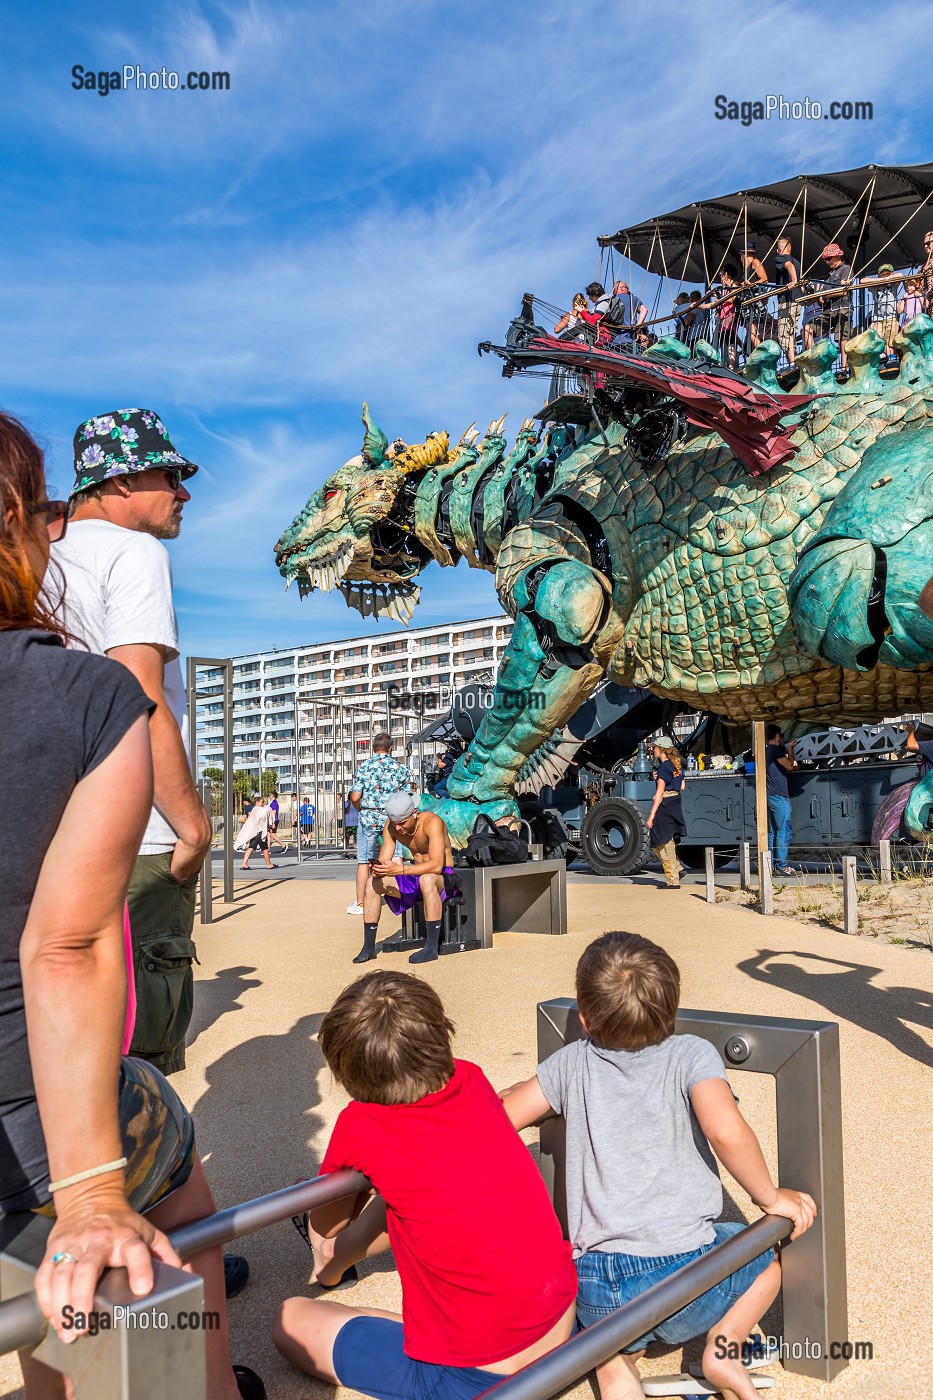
(745, 305)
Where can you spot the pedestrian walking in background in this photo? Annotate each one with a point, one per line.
(306, 822)
(666, 818)
(254, 834)
(274, 822)
(374, 782)
(351, 819)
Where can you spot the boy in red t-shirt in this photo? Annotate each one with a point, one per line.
(488, 1283)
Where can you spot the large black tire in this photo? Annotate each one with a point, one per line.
(694, 857)
(615, 839)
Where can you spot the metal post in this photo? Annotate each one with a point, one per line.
(884, 857)
(765, 885)
(229, 818)
(849, 896)
(557, 1370)
(710, 875)
(206, 876)
(761, 797)
(316, 818)
(298, 772)
(803, 1057)
(745, 865)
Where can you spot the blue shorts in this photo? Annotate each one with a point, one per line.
(368, 1357)
(606, 1281)
(368, 844)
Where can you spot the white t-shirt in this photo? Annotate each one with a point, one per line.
(118, 592)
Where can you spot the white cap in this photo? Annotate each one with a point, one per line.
(401, 805)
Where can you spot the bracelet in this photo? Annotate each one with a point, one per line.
(86, 1176)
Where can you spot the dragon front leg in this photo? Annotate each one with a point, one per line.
(547, 672)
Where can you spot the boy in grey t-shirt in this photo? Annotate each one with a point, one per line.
(646, 1111)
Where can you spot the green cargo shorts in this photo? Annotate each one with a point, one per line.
(161, 922)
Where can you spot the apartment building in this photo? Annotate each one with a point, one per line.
(345, 689)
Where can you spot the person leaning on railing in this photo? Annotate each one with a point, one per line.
(645, 1110)
(88, 1138)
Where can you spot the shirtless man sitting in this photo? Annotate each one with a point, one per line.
(402, 884)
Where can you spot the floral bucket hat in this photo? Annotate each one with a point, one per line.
(124, 441)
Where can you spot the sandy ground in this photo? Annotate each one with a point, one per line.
(264, 1102)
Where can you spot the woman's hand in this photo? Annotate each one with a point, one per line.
(101, 1231)
(650, 822)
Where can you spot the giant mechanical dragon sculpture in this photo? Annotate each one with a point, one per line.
(791, 595)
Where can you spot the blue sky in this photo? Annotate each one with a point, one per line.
(370, 198)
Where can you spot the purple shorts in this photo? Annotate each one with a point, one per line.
(409, 892)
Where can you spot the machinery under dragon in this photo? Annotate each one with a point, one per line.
(764, 561)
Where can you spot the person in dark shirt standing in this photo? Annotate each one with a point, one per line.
(924, 750)
(666, 818)
(787, 276)
(779, 761)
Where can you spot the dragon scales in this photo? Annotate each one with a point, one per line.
(791, 596)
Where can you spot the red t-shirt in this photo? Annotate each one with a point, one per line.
(484, 1270)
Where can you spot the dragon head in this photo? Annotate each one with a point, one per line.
(356, 532)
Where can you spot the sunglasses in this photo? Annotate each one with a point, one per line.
(56, 518)
(173, 475)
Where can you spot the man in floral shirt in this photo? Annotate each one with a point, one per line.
(374, 782)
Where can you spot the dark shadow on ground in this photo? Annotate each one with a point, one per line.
(851, 995)
(253, 1124)
(216, 996)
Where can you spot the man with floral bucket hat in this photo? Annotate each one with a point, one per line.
(128, 496)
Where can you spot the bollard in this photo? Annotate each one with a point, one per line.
(710, 875)
(745, 865)
(884, 857)
(849, 896)
(765, 887)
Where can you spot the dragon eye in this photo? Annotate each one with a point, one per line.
(329, 495)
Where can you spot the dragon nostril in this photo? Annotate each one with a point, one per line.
(876, 616)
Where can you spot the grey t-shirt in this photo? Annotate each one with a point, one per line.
(641, 1178)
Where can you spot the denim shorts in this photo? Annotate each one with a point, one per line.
(606, 1281)
(368, 844)
(368, 1357)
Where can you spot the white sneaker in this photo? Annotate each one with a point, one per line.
(354, 908)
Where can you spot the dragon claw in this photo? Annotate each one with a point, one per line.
(460, 816)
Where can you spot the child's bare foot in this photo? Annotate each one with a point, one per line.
(727, 1372)
(618, 1378)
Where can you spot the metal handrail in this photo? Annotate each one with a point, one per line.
(582, 1352)
(23, 1325)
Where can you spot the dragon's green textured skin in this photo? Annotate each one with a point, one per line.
(791, 596)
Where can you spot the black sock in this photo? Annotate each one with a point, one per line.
(429, 952)
(368, 949)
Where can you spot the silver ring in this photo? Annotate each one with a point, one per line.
(62, 1257)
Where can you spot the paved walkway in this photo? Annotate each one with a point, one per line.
(264, 1102)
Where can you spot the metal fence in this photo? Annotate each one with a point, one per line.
(132, 1362)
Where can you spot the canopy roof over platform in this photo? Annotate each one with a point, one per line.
(876, 214)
